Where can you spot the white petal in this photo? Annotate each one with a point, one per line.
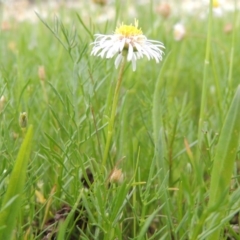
(111, 52)
(121, 44)
(130, 52)
(118, 60)
(134, 63)
(138, 47)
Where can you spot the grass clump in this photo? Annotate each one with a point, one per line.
(171, 170)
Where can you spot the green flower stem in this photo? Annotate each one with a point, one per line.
(113, 112)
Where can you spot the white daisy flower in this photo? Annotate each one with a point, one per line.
(129, 41)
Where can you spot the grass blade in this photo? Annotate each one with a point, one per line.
(64, 226)
(224, 162)
(158, 99)
(12, 199)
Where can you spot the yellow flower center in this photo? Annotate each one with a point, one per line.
(129, 30)
(216, 3)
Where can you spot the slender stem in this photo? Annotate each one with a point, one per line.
(205, 75)
(113, 112)
(232, 49)
(197, 165)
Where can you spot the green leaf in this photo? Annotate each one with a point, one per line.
(63, 226)
(12, 199)
(224, 162)
(147, 223)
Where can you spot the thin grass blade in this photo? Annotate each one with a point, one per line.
(12, 199)
(224, 162)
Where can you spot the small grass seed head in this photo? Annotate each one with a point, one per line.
(164, 9)
(23, 120)
(41, 73)
(2, 103)
(116, 176)
(228, 28)
(100, 2)
(179, 31)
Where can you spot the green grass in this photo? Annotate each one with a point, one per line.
(181, 177)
